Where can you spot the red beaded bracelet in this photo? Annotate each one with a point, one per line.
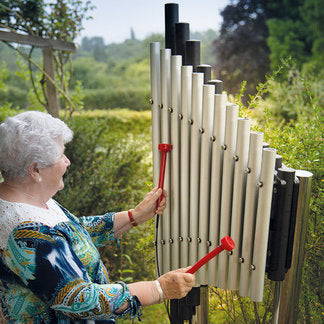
(131, 218)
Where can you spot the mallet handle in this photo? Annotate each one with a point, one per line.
(227, 244)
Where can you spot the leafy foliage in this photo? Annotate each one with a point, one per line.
(53, 20)
(297, 133)
(57, 20)
(256, 34)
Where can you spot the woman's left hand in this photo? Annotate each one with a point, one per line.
(147, 208)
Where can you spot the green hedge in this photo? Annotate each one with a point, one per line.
(16, 96)
(136, 99)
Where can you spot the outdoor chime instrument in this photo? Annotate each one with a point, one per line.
(220, 177)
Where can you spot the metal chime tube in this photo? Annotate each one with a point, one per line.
(227, 186)
(171, 18)
(176, 61)
(155, 102)
(239, 184)
(186, 88)
(218, 85)
(253, 174)
(206, 69)
(195, 122)
(182, 34)
(165, 138)
(192, 53)
(216, 180)
(265, 185)
(204, 187)
(292, 284)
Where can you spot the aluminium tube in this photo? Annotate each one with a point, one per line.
(204, 187)
(265, 185)
(227, 187)
(251, 195)
(217, 140)
(155, 103)
(239, 184)
(195, 122)
(165, 138)
(186, 88)
(176, 61)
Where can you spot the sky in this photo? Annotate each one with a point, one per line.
(114, 19)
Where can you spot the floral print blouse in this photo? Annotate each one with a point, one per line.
(53, 273)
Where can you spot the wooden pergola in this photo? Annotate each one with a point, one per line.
(48, 46)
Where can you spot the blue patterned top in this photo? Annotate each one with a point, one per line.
(53, 274)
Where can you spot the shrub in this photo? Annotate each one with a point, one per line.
(110, 171)
(132, 98)
(297, 134)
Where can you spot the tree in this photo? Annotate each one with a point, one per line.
(257, 34)
(241, 49)
(298, 33)
(60, 20)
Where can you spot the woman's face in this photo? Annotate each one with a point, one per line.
(52, 176)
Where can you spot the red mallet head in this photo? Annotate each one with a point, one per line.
(165, 147)
(227, 243)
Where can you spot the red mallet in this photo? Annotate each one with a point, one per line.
(164, 148)
(227, 244)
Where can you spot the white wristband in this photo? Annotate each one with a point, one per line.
(158, 286)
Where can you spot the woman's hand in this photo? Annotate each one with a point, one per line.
(177, 283)
(147, 208)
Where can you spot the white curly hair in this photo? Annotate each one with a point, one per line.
(30, 137)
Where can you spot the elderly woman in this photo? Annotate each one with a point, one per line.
(50, 268)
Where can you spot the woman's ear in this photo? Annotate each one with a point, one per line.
(33, 171)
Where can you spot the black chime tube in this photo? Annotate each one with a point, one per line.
(279, 225)
(171, 16)
(292, 224)
(278, 162)
(192, 53)
(206, 69)
(182, 34)
(218, 85)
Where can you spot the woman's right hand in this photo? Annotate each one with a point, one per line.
(177, 283)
